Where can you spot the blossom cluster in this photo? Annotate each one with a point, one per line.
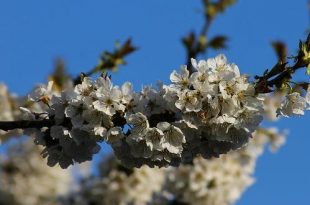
(208, 112)
(118, 185)
(222, 180)
(215, 181)
(26, 179)
(82, 114)
(13, 107)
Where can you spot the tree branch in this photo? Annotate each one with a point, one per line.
(286, 74)
(110, 60)
(265, 81)
(198, 47)
(23, 124)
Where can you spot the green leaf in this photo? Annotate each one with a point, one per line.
(189, 41)
(212, 8)
(308, 70)
(59, 75)
(224, 4)
(281, 50)
(218, 42)
(111, 60)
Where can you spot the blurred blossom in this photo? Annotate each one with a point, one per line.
(25, 177)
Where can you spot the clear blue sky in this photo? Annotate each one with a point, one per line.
(34, 32)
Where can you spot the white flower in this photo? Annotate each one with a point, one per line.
(140, 124)
(214, 105)
(237, 87)
(96, 121)
(294, 104)
(197, 79)
(104, 83)
(85, 88)
(173, 137)
(75, 114)
(42, 93)
(201, 66)
(100, 131)
(28, 112)
(154, 139)
(30, 169)
(109, 97)
(247, 120)
(150, 101)
(200, 80)
(127, 92)
(170, 95)
(227, 89)
(6, 112)
(272, 103)
(252, 103)
(141, 99)
(205, 89)
(57, 108)
(164, 155)
(139, 149)
(114, 135)
(220, 70)
(308, 96)
(109, 102)
(224, 118)
(180, 80)
(229, 106)
(217, 63)
(189, 101)
(277, 139)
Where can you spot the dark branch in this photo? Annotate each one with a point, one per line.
(267, 82)
(23, 124)
(198, 45)
(110, 60)
(282, 72)
(286, 74)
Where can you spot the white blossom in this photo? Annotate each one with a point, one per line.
(42, 93)
(127, 93)
(25, 178)
(109, 102)
(189, 101)
(308, 96)
(140, 124)
(85, 88)
(215, 181)
(207, 112)
(221, 70)
(181, 79)
(294, 104)
(114, 135)
(173, 137)
(154, 139)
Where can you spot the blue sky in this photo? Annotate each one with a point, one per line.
(34, 32)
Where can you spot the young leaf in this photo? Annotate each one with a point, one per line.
(281, 50)
(218, 42)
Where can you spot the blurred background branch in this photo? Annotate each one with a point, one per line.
(110, 60)
(198, 43)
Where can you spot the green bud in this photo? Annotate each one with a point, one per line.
(305, 52)
(308, 70)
